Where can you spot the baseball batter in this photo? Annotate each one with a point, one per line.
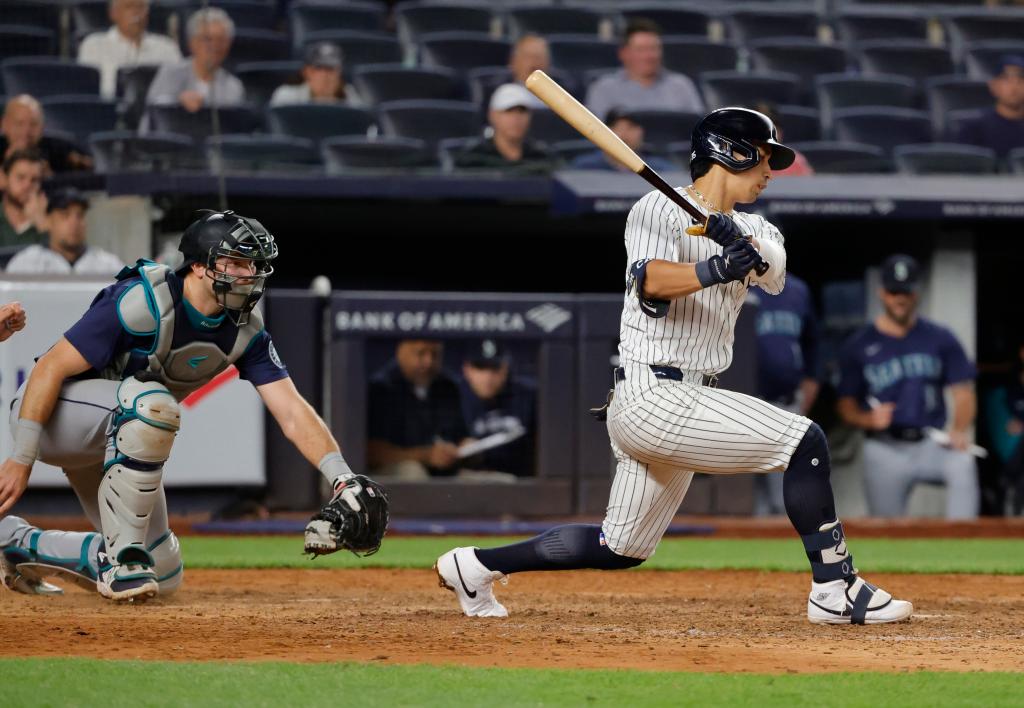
(102, 404)
(667, 419)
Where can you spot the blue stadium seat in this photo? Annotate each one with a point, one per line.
(798, 123)
(954, 93)
(199, 125)
(693, 56)
(354, 154)
(916, 59)
(551, 19)
(125, 150)
(430, 121)
(837, 91)
(47, 76)
(805, 58)
(317, 121)
(966, 26)
(830, 157)
(859, 23)
(31, 13)
(80, 116)
(981, 59)
(309, 16)
(569, 150)
(576, 53)
(885, 128)
(416, 19)
(664, 127)
(262, 78)
(22, 41)
(734, 88)
(547, 127)
(956, 119)
(945, 158)
(462, 51)
(251, 45)
(358, 48)
(378, 83)
(91, 16)
(680, 153)
(261, 153)
(748, 25)
(689, 20)
(1015, 160)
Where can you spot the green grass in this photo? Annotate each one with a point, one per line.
(1001, 556)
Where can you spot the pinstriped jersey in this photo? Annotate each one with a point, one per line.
(697, 332)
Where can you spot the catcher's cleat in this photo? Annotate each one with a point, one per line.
(854, 601)
(128, 582)
(18, 579)
(459, 571)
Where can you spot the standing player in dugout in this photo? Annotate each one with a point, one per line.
(667, 419)
(102, 404)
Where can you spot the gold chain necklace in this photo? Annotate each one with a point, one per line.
(704, 200)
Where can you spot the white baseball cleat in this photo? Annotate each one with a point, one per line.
(15, 580)
(128, 582)
(461, 572)
(854, 602)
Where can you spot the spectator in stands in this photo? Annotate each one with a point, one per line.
(22, 129)
(643, 83)
(631, 133)
(415, 422)
(12, 319)
(66, 251)
(529, 53)
(1000, 128)
(126, 43)
(322, 81)
(495, 404)
(894, 373)
(201, 79)
(508, 149)
(23, 212)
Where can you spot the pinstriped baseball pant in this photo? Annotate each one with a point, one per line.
(663, 431)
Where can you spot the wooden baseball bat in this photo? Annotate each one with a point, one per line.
(579, 117)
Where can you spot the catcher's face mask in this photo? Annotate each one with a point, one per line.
(239, 266)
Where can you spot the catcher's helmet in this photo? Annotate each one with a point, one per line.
(220, 234)
(723, 134)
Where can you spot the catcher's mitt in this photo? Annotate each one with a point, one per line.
(355, 519)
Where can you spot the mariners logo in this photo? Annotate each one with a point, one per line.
(274, 357)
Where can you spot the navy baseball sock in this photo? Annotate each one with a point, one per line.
(561, 548)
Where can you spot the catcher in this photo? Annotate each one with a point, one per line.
(102, 404)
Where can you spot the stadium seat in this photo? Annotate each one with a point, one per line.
(377, 83)
(307, 16)
(31, 13)
(734, 88)
(462, 51)
(261, 153)
(551, 19)
(916, 59)
(981, 59)
(261, 78)
(680, 153)
(664, 127)
(20, 41)
(317, 121)
(691, 21)
(447, 150)
(844, 157)
(859, 23)
(885, 128)
(576, 53)
(348, 154)
(547, 127)
(748, 25)
(484, 80)
(956, 119)
(1015, 160)
(91, 16)
(80, 116)
(965, 27)
(416, 19)
(246, 14)
(569, 150)
(694, 55)
(125, 150)
(358, 48)
(837, 91)
(199, 125)
(251, 45)
(944, 158)
(798, 123)
(954, 93)
(430, 121)
(47, 76)
(132, 87)
(805, 58)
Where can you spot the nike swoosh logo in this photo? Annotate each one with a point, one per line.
(195, 361)
(472, 595)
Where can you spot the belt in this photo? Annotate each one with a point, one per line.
(897, 433)
(671, 373)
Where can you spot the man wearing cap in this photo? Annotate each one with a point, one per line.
(1000, 128)
(66, 251)
(498, 406)
(630, 132)
(894, 374)
(322, 81)
(508, 148)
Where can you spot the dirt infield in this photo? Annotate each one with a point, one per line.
(689, 621)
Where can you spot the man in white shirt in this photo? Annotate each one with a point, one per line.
(126, 43)
(66, 252)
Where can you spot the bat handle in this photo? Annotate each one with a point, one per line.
(762, 267)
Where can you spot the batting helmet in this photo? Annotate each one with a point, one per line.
(225, 234)
(723, 134)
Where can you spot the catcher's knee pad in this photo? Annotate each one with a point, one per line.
(143, 430)
(167, 563)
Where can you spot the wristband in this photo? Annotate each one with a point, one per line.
(711, 272)
(333, 465)
(26, 441)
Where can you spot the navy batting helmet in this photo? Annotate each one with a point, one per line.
(730, 136)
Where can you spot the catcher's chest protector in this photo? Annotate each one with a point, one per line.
(148, 308)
